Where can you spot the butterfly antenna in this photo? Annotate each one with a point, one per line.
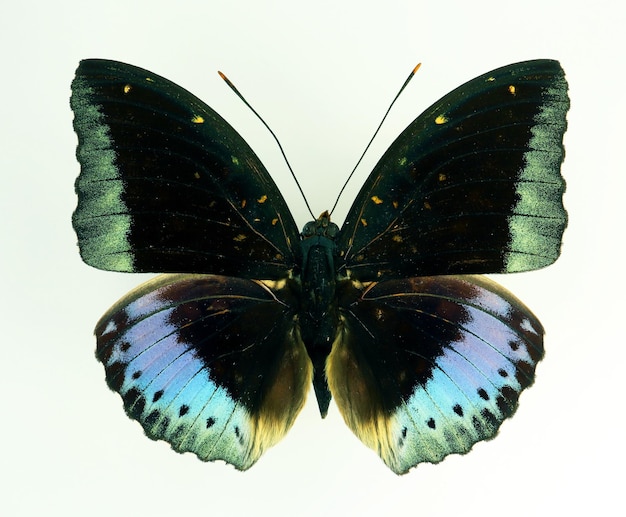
(234, 89)
(408, 79)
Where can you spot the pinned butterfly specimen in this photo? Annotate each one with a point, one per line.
(385, 315)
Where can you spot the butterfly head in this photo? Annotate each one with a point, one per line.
(321, 227)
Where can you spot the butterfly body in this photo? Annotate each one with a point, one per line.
(319, 314)
(386, 314)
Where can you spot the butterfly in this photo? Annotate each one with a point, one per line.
(388, 314)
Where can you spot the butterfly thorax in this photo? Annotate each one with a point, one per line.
(319, 316)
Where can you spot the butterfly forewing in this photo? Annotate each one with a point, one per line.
(473, 185)
(167, 185)
(211, 364)
(426, 367)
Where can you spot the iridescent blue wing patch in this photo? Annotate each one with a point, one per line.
(211, 364)
(473, 185)
(426, 367)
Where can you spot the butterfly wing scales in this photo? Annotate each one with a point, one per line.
(210, 364)
(167, 185)
(473, 185)
(426, 367)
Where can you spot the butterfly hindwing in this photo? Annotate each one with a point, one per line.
(473, 185)
(211, 364)
(167, 185)
(426, 367)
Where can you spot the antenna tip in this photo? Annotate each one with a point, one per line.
(417, 67)
(230, 85)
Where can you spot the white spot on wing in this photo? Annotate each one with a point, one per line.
(111, 327)
(526, 325)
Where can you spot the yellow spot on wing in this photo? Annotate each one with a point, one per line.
(442, 177)
(240, 237)
(377, 200)
(363, 221)
(196, 175)
(262, 199)
(274, 284)
(397, 238)
(395, 204)
(427, 205)
(127, 88)
(244, 203)
(441, 119)
(197, 119)
(274, 221)
(512, 89)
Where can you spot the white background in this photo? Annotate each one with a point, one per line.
(322, 73)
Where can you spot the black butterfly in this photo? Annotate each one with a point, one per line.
(422, 358)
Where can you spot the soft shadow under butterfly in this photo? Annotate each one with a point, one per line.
(423, 359)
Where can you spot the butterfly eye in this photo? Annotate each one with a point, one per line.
(332, 230)
(309, 229)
